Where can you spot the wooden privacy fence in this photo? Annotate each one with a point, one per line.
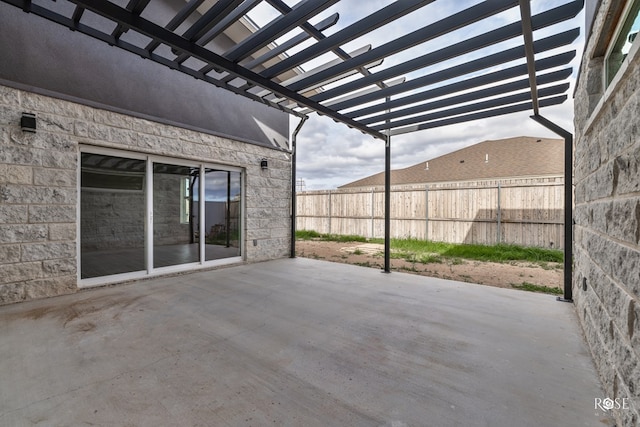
(527, 212)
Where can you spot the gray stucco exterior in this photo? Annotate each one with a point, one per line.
(606, 278)
(53, 60)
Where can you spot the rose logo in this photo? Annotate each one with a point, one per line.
(607, 404)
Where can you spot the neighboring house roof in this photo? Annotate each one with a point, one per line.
(512, 157)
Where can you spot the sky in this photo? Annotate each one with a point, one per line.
(331, 154)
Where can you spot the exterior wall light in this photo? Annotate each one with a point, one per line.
(264, 165)
(28, 122)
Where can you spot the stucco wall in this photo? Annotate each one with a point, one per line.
(52, 58)
(607, 214)
(39, 192)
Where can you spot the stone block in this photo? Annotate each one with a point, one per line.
(13, 214)
(16, 174)
(125, 137)
(20, 233)
(599, 184)
(59, 267)
(199, 151)
(623, 220)
(158, 144)
(19, 194)
(111, 118)
(43, 140)
(634, 325)
(145, 126)
(617, 303)
(626, 363)
(624, 263)
(54, 177)
(9, 254)
(15, 155)
(98, 131)
(588, 155)
(57, 159)
(599, 351)
(49, 287)
(54, 123)
(19, 272)
(80, 128)
(280, 233)
(52, 213)
(12, 292)
(44, 104)
(59, 232)
(9, 117)
(9, 97)
(626, 171)
(47, 251)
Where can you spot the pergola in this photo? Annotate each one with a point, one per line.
(446, 89)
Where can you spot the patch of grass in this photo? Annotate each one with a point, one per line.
(424, 251)
(307, 235)
(526, 286)
(314, 235)
(494, 253)
(363, 264)
(430, 259)
(358, 252)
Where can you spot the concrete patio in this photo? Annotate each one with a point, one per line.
(296, 342)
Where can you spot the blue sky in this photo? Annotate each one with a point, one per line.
(330, 154)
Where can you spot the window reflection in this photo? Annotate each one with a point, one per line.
(112, 215)
(222, 214)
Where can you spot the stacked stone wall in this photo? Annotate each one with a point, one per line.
(606, 282)
(39, 192)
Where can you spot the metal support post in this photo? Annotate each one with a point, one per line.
(568, 202)
(294, 200)
(387, 204)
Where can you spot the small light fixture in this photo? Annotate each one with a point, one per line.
(264, 165)
(28, 122)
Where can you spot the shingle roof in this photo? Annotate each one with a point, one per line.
(503, 158)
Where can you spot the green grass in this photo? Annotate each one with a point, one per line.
(526, 286)
(494, 253)
(414, 250)
(314, 235)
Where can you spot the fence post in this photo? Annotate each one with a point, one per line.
(499, 215)
(373, 211)
(426, 213)
(329, 232)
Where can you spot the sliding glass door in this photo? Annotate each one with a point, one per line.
(143, 214)
(221, 214)
(112, 219)
(175, 232)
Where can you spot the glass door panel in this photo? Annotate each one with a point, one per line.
(112, 215)
(175, 215)
(222, 214)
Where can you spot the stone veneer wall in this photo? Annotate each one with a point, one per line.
(39, 193)
(606, 281)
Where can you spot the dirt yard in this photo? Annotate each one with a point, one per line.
(503, 275)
